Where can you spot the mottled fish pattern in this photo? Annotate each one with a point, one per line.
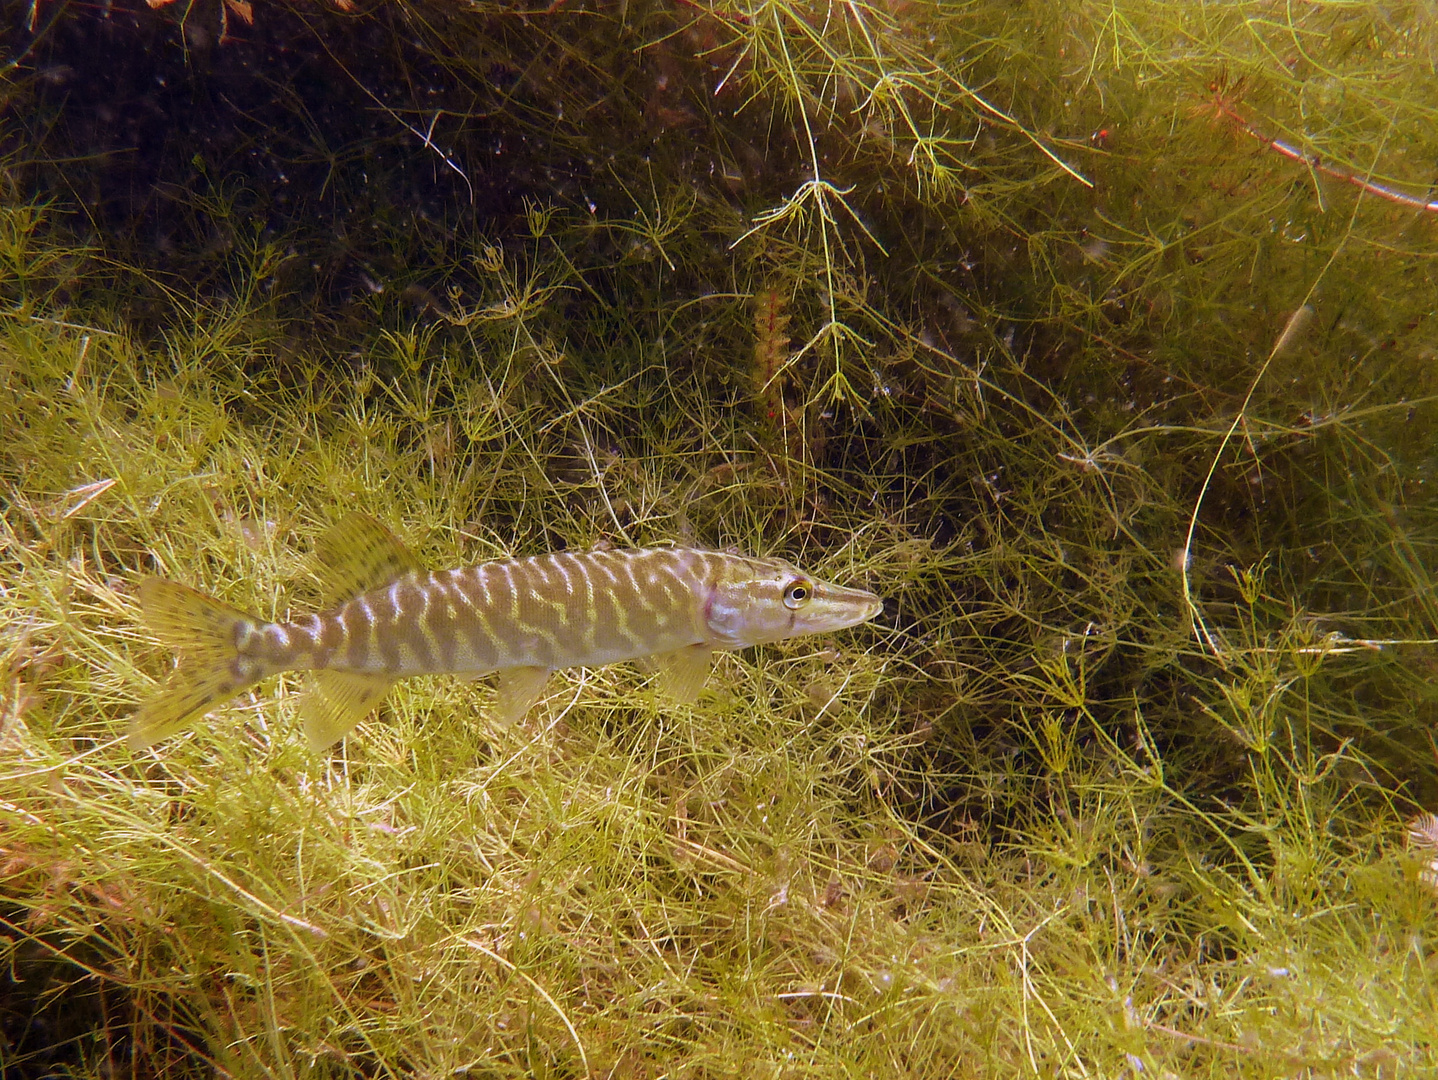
(390, 619)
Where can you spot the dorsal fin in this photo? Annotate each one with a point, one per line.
(357, 554)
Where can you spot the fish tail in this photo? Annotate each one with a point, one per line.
(210, 637)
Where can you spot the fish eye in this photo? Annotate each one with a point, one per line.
(796, 594)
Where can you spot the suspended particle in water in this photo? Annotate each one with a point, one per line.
(1293, 330)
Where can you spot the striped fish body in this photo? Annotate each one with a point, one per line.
(521, 617)
(548, 611)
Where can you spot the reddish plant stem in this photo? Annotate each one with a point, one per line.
(1314, 162)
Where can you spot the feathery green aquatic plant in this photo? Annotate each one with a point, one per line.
(1122, 783)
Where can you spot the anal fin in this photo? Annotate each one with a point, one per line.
(338, 700)
(682, 673)
(519, 688)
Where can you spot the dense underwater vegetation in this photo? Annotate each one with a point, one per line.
(1098, 338)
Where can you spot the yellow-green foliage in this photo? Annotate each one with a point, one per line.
(1119, 787)
(776, 882)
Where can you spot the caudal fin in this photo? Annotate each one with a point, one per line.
(206, 633)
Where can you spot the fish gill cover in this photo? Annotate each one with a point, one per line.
(1099, 338)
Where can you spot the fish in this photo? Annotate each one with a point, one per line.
(387, 618)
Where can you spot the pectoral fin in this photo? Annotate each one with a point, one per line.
(338, 700)
(682, 673)
(519, 688)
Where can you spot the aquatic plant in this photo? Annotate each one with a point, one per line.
(1114, 365)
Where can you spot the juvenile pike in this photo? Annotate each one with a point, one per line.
(389, 619)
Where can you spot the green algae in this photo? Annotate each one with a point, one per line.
(1040, 265)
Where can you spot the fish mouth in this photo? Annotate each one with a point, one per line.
(850, 607)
